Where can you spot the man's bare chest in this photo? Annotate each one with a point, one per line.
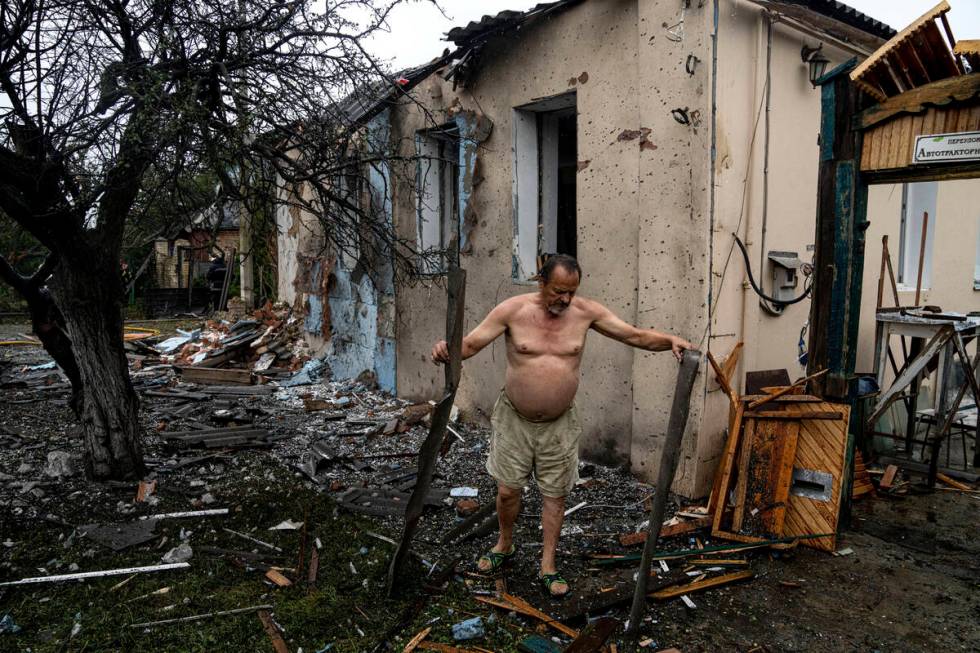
(563, 337)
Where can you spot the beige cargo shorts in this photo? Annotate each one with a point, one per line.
(518, 446)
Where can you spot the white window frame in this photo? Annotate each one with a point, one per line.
(917, 198)
(437, 196)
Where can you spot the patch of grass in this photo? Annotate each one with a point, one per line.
(343, 601)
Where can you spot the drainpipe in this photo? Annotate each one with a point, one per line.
(770, 21)
(711, 175)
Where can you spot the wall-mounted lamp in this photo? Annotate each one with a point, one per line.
(816, 62)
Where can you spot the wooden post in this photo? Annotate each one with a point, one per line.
(440, 420)
(922, 255)
(841, 222)
(881, 272)
(229, 262)
(668, 466)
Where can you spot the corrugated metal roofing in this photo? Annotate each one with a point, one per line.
(502, 21)
(847, 15)
(509, 19)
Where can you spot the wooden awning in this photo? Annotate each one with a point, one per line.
(916, 56)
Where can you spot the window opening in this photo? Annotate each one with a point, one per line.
(545, 167)
(437, 199)
(918, 199)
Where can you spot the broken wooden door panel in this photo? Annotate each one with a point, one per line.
(766, 454)
(741, 483)
(769, 476)
(815, 491)
(726, 468)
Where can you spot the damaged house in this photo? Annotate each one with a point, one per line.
(637, 136)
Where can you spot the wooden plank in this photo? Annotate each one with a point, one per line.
(951, 40)
(593, 636)
(895, 144)
(888, 479)
(821, 446)
(526, 608)
(414, 642)
(722, 379)
(741, 483)
(795, 415)
(967, 46)
(698, 586)
(787, 390)
(429, 450)
(445, 648)
(939, 46)
(788, 398)
(272, 630)
(728, 367)
(768, 477)
(952, 482)
(215, 376)
(671, 530)
(727, 464)
(901, 69)
(278, 578)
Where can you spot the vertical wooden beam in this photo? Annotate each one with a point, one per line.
(690, 363)
(841, 222)
(429, 451)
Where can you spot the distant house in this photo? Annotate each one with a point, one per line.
(185, 254)
(636, 135)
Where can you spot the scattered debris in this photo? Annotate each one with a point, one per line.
(59, 464)
(254, 540)
(187, 514)
(888, 478)
(199, 617)
(7, 625)
(180, 553)
(145, 490)
(273, 630)
(469, 629)
(96, 574)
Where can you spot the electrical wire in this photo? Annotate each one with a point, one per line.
(777, 302)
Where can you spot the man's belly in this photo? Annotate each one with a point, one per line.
(542, 388)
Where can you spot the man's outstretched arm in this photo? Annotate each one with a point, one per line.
(608, 324)
(486, 332)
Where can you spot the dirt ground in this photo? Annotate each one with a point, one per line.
(910, 582)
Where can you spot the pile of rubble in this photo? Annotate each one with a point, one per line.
(270, 342)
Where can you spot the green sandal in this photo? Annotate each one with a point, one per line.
(497, 560)
(548, 581)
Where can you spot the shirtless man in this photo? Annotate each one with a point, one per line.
(534, 422)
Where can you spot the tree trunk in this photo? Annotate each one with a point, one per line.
(89, 295)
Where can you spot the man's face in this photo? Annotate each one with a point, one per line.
(559, 290)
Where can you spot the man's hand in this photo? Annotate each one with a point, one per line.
(440, 352)
(678, 345)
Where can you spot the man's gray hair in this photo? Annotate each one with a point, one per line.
(553, 261)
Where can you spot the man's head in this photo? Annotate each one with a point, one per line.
(558, 280)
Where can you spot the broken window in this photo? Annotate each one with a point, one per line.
(349, 187)
(437, 199)
(917, 200)
(545, 160)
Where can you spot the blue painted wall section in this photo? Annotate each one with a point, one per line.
(313, 322)
(360, 308)
(474, 128)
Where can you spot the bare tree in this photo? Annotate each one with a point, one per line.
(106, 102)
